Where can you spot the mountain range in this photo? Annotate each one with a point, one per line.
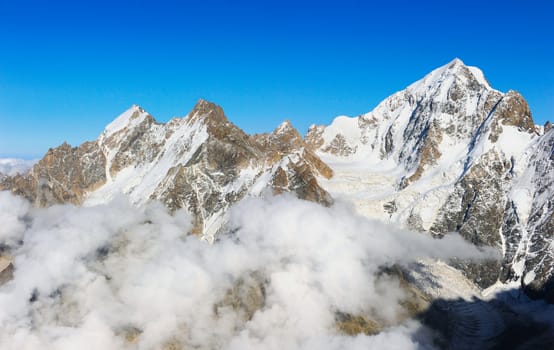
(447, 154)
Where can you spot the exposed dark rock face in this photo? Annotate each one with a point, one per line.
(480, 197)
(515, 111)
(339, 147)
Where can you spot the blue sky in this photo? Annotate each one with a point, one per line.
(68, 68)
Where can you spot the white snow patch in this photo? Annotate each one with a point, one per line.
(512, 142)
(523, 200)
(346, 126)
(529, 277)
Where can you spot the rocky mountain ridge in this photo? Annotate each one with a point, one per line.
(201, 162)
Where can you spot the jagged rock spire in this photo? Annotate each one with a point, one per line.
(207, 112)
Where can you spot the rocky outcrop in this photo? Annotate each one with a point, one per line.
(297, 172)
(339, 147)
(515, 111)
(479, 198)
(6, 269)
(314, 137)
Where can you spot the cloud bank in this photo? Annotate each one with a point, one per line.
(121, 277)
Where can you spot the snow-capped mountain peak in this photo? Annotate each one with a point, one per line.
(441, 78)
(442, 155)
(208, 113)
(131, 117)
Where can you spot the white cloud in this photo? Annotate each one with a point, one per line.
(12, 166)
(96, 273)
(12, 213)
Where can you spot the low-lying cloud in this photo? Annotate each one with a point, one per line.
(121, 277)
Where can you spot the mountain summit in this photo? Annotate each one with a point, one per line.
(442, 155)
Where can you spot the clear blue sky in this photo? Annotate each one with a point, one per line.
(69, 68)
